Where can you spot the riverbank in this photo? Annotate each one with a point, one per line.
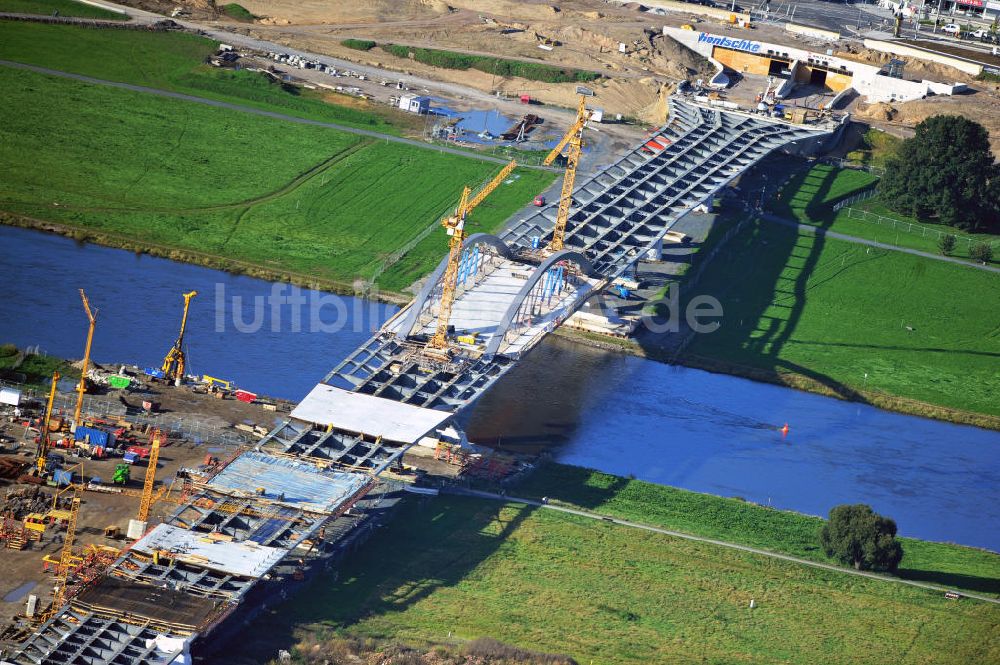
(793, 380)
(203, 259)
(880, 400)
(447, 570)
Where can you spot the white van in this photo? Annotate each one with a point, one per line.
(952, 29)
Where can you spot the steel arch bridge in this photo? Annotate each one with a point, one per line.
(508, 299)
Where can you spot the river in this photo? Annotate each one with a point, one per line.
(682, 427)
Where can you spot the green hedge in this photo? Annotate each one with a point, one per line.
(526, 70)
(238, 12)
(359, 44)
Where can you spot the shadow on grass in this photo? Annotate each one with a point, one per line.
(952, 580)
(782, 271)
(432, 543)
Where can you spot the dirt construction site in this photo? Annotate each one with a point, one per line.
(35, 513)
(199, 429)
(623, 42)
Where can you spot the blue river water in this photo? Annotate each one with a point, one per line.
(236, 330)
(692, 429)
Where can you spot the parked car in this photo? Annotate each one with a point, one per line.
(952, 29)
(977, 34)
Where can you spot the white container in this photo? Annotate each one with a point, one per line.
(135, 529)
(10, 396)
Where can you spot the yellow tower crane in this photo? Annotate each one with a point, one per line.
(573, 139)
(65, 559)
(147, 489)
(82, 387)
(173, 364)
(43, 436)
(455, 226)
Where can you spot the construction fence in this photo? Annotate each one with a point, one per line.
(921, 230)
(110, 407)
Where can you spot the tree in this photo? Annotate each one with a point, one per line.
(858, 536)
(982, 251)
(946, 244)
(946, 171)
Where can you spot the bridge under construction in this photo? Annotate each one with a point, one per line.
(255, 528)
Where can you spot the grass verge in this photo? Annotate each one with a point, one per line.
(453, 569)
(745, 523)
(855, 318)
(62, 7)
(289, 198)
(30, 368)
(238, 12)
(876, 147)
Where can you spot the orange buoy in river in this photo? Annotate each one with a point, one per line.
(784, 431)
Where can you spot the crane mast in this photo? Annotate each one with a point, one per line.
(65, 558)
(573, 139)
(455, 226)
(43, 436)
(147, 489)
(82, 386)
(173, 363)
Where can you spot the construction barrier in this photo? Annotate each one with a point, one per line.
(809, 31)
(700, 10)
(897, 49)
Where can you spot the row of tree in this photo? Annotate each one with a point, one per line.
(946, 173)
(533, 71)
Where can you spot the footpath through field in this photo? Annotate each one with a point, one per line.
(268, 114)
(809, 228)
(721, 543)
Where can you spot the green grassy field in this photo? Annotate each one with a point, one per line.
(447, 570)
(733, 520)
(809, 198)
(176, 61)
(64, 7)
(290, 198)
(833, 311)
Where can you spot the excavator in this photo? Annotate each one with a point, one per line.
(173, 363)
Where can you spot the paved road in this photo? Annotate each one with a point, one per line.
(881, 245)
(843, 17)
(266, 114)
(711, 541)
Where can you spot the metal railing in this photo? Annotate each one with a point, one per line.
(911, 227)
(857, 197)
